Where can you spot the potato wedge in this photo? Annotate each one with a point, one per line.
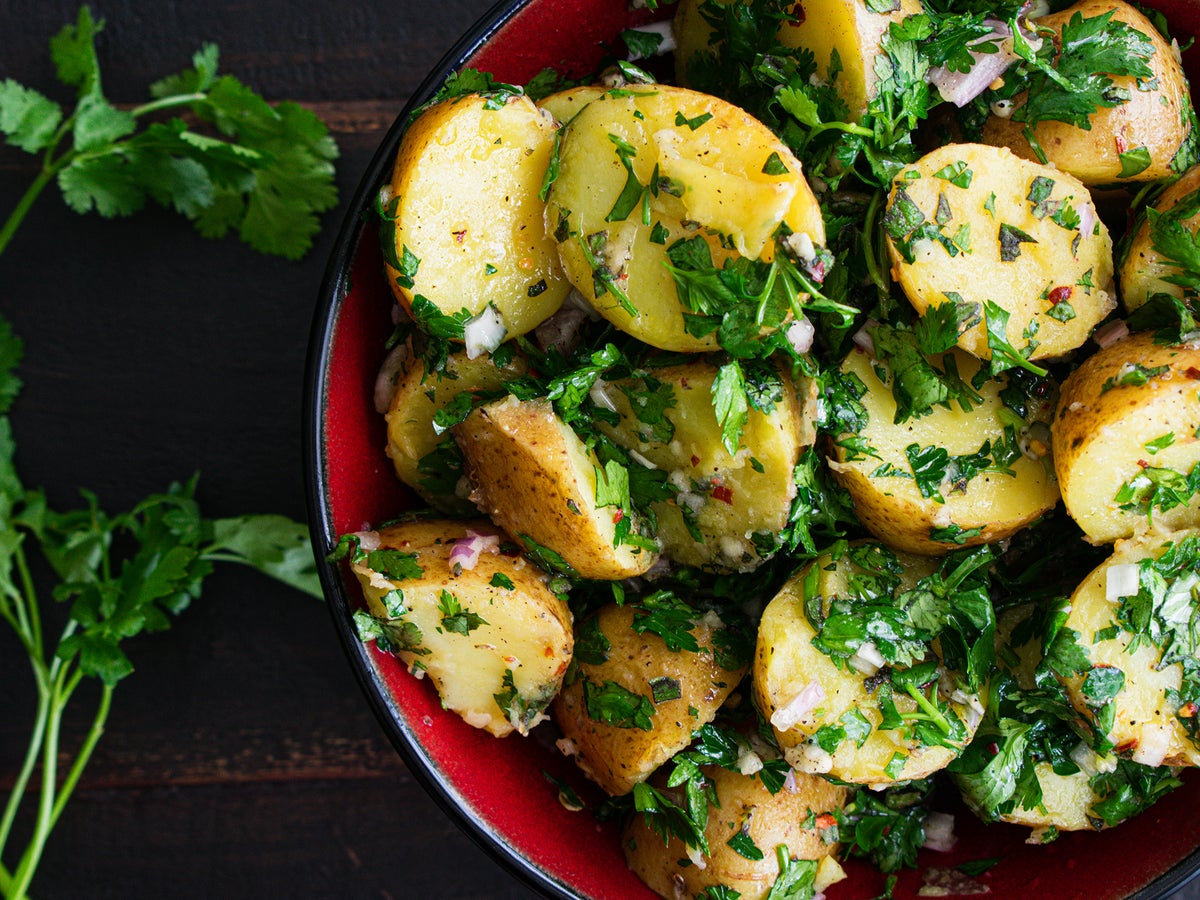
(497, 655)
(464, 225)
(729, 508)
(424, 459)
(977, 224)
(691, 159)
(1152, 125)
(1125, 653)
(1144, 268)
(827, 713)
(905, 512)
(631, 702)
(793, 819)
(533, 476)
(1125, 438)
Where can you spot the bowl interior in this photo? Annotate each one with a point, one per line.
(499, 789)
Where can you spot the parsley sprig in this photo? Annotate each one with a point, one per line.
(263, 171)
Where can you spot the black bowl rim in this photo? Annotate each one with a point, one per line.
(333, 288)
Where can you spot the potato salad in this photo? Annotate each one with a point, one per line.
(804, 416)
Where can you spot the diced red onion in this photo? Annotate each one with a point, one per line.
(484, 333)
(598, 393)
(1109, 334)
(561, 330)
(465, 552)
(800, 335)
(749, 762)
(1121, 580)
(867, 660)
(368, 540)
(863, 340)
(799, 706)
(1087, 218)
(1153, 743)
(939, 832)
(960, 88)
(389, 372)
(1084, 757)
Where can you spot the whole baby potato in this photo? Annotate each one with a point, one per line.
(631, 702)
(976, 225)
(482, 625)
(1125, 438)
(1155, 120)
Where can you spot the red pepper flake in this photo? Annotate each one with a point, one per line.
(825, 820)
(1187, 711)
(618, 516)
(1122, 143)
(798, 15)
(1126, 746)
(1192, 372)
(1060, 293)
(993, 748)
(459, 236)
(723, 493)
(695, 460)
(1142, 464)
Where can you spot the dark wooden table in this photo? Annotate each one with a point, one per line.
(240, 759)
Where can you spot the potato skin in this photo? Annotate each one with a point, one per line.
(617, 758)
(1102, 427)
(464, 202)
(732, 498)
(1155, 119)
(893, 508)
(786, 661)
(533, 477)
(769, 819)
(1143, 268)
(1028, 279)
(1144, 716)
(418, 397)
(526, 634)
(716, 169)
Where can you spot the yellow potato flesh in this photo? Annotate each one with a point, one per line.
(715, 166)
(892, 507)
(465, 204)
(786, 661)
(1059, 265)
(1106, 434)
(525, 636)
(1144, 268)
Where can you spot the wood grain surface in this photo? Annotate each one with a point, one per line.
(240, 759)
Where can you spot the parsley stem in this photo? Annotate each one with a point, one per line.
(870, 248)
(930, 709)
(167, 103)
(23, 205)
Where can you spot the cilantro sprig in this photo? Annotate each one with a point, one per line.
(262, 171)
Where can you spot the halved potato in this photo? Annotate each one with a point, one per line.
(975, 224)
(464, 225)
(794, 818)
(418, 396)
(691, 160)
(728, 508)
(627, 710)
(992, 504)
(1121, 680)
(1154, 119)
(483, 625)
(535, 478)
(1125, 438)
(1144, 268)
(826, 713)
(565, 104)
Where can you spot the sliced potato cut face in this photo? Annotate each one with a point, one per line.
(1144, 269)
(496, 655)
(788, 664)
(788, 817)
(728, 508)
(563, 105)
(419, 396)
(532, 475)
(893, 505)
(1154, 121)
(618, 754)
(642, 169)
(465, 223)
(978, 224)
(1125, 438)
(1146, 722)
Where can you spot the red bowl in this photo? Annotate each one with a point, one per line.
(497, 789)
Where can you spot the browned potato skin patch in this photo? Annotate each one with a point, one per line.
(532, 476)
(618, 758)
(1099, 433)
(1151, 119)
(769, 819)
